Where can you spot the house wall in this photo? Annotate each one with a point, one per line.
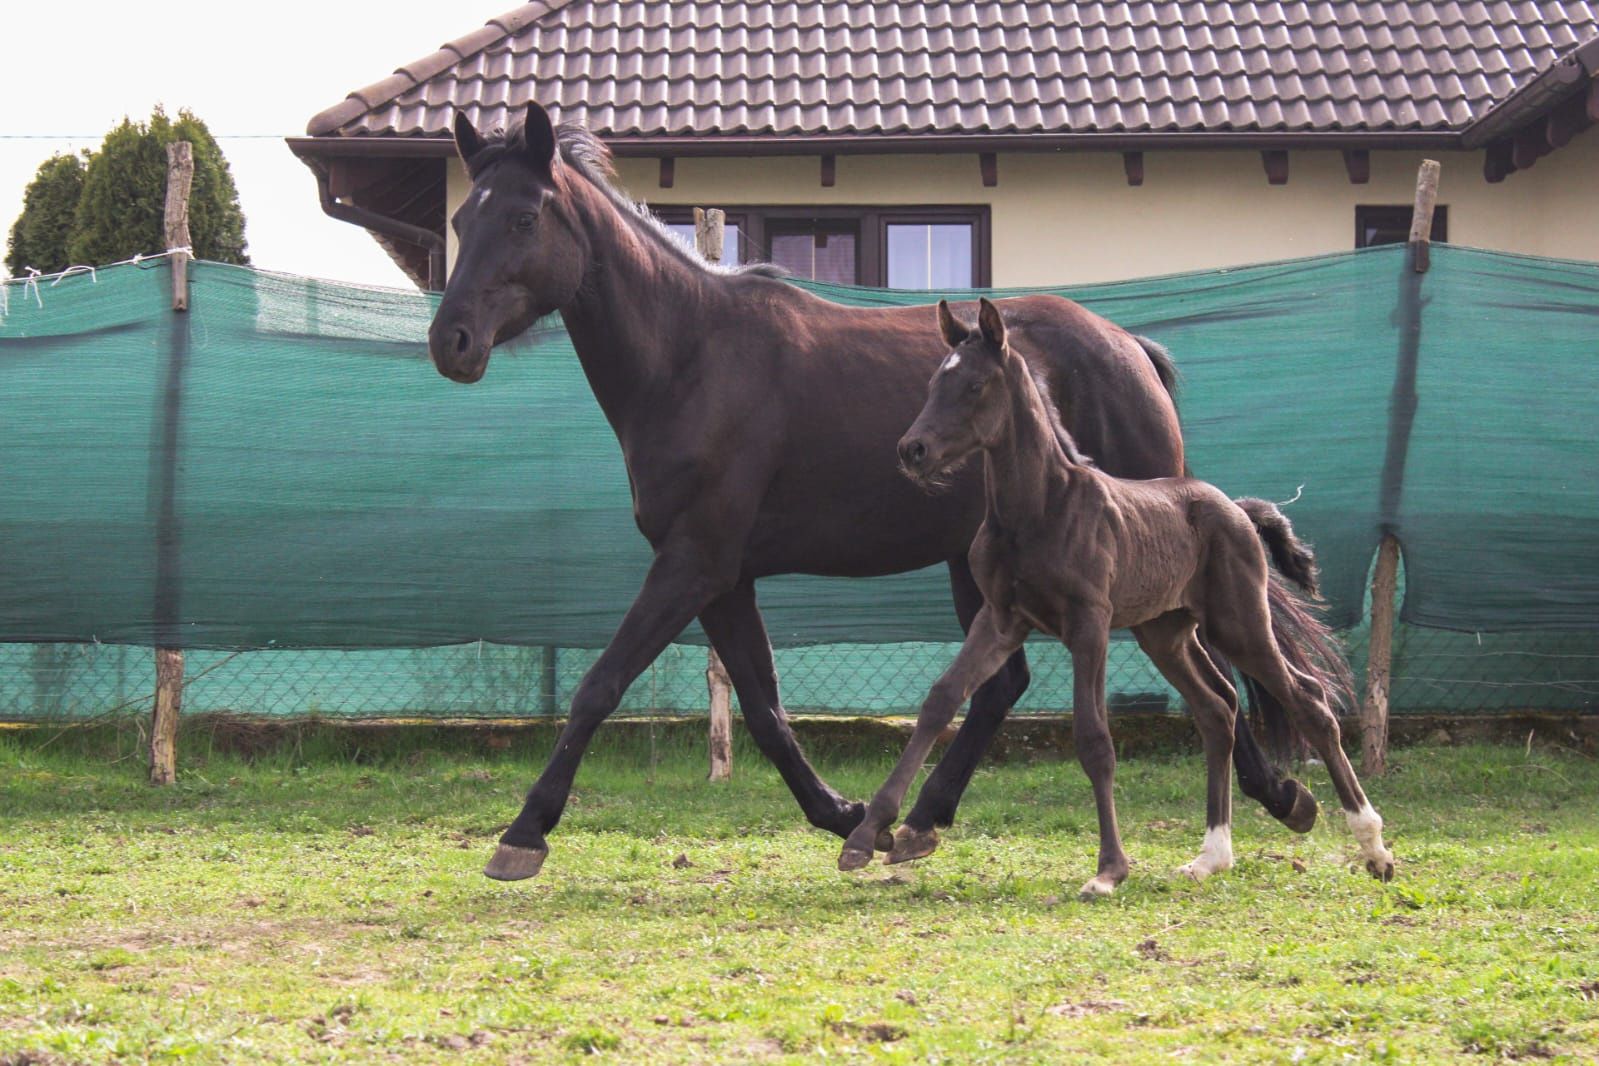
(1070, 217)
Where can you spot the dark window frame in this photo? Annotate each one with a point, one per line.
(873, 222)
(1395, 218)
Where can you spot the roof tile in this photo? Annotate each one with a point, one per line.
(642, 67)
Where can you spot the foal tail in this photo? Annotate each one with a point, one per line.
(1306, 641)
(1291, 555)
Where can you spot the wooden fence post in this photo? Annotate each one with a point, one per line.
(1384, 581)
(708, 229)
(169, 660)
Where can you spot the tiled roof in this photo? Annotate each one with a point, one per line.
(645, 68)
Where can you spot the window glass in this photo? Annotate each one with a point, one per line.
(821, 252)
(1390, 224)
(684, 231)
(930, 256)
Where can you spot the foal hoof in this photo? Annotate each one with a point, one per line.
(1097, 888)
(1301, 817)
(908, 844)
(511, 863)
(853, 858)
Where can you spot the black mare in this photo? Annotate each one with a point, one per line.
(758, 425)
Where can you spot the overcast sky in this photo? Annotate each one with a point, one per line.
(255, 74)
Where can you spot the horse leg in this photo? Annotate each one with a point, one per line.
(1305, 698)
(1091, 737)
(675, 589)
(941, 792)
(1283, 797)
(1171, 645)
(733, 622)
(990, 642)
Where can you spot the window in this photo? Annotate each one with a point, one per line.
(931, 248)
(1390, 224)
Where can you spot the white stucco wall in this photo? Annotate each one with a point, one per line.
(1067, 218)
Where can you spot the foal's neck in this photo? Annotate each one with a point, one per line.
(1027, 459)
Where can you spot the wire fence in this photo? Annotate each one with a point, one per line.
(1433, 671)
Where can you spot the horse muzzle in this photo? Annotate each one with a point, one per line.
(457, 353)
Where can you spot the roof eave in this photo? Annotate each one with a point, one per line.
(1537, 97)
(756, 144)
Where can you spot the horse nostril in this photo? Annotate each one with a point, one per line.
(463, 341)
(913, 452)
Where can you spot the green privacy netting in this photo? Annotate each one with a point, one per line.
(330, 490)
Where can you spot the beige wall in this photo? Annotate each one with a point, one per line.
(1067, 218)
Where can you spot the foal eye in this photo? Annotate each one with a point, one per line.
(974, 388)
(525, 221)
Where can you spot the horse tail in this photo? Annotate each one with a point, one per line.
(1291, 555)
(1165, 366)
(1305, 640)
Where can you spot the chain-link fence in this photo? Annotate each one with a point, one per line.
(1433, 671)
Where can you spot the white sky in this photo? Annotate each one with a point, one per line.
(74, 69)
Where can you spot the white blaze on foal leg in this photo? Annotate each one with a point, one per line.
(1366, 825)
(1215, 854)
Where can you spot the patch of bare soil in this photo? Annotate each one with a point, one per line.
(1085, 1008)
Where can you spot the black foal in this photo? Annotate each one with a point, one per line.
(1069, 550)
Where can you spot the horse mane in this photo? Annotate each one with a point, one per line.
(1063, 436)
(591, 157)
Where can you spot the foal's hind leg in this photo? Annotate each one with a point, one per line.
(1170, 643)
(1305, 698)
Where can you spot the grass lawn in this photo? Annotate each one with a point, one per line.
(311, 907)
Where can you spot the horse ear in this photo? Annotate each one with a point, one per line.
(540, 134)
(953, 332)
(990, 322)
(467, 141)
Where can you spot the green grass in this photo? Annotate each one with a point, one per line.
(313, 908)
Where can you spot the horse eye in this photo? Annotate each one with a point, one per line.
(974, 388)
(525, 221)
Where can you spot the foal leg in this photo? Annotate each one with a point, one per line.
(675, 589)
(1170, 643)
(1284, 797)
(941, 792)
(1305, 697)
(1091, 736)
(990, 642)
(733, 622)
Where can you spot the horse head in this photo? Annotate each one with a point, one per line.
(966, 400)
(521, 254)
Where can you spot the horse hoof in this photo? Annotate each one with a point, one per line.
(853, 859)
(1195, 870)
(1301, 817)
(884, 841)
(1097, 888)
(511, 863)
(909, 844)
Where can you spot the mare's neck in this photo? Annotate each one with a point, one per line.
(639, 309)
(1027, 460)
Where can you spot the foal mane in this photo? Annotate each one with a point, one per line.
(590, 157)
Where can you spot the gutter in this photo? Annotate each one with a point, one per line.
(1562, 79)
(383, 224)
(768, 144)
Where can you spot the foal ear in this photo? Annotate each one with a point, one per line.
(467, 141)
(540, 135)
(950, 327)
(990, 322)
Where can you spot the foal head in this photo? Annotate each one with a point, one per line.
(521, 255)
(966, 400)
